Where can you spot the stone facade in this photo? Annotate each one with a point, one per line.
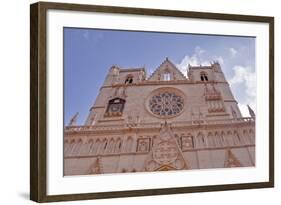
(164, 121)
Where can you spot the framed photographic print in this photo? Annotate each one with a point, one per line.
(134, 102)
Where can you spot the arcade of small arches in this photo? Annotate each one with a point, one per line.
(95, 146)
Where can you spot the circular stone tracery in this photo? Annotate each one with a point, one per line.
(166, 104)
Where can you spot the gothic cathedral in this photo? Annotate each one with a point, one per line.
(165, 121)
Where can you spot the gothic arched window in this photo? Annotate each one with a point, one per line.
(115, 107)
(129, 79)
(167, 76)
(203, 76)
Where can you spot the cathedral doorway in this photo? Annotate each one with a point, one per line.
(165, 168)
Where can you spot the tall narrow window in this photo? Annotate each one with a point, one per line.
(129, 79)
(206, 78)
(167, 76)
(203, 76)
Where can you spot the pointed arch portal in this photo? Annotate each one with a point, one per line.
(165, 168)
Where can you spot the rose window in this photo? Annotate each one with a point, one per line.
(166, 104)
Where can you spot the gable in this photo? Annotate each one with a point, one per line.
(167, 70)
(165, 154)
(231, 160)
(165, 168)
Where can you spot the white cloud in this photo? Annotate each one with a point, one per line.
(199, 57)
(233, 52)
(189, 60)
(94, 38)
(244, 77)
(86, 34)
(219, 59)
(243, 82)
(244, 110)
(199, 51)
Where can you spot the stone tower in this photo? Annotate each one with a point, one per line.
(165, 121)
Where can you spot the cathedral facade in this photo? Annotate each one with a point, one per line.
(165, 121)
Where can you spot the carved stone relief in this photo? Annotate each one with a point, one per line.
(165, 153)
(143, 145)
(186, 142)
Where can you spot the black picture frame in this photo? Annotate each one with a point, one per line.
(38, 100)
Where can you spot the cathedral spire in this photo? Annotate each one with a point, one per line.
(231, 160)
(73, 120)
(251, 112)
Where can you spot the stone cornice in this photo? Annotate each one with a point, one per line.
(154, 127)
(131, 69)
(164, 83)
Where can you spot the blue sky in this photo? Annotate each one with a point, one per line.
(89, 53)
